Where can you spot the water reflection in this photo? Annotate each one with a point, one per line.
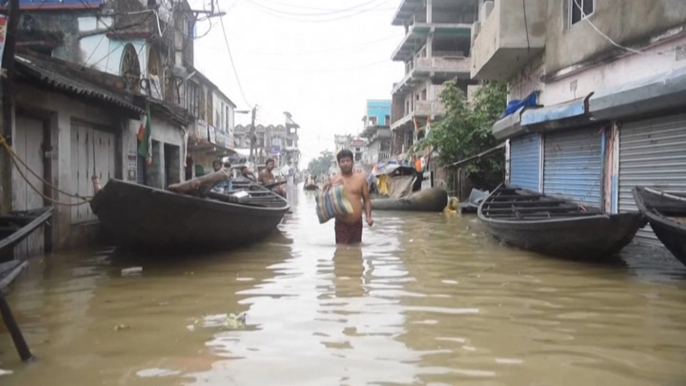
(425, 300)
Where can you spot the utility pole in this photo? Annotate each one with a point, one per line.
(252, 134)
(7, 103)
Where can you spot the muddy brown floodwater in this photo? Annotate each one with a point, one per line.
(425, 300)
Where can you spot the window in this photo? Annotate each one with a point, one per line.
(579, 10)
(358, 157)
(193, 99)
(385, 146)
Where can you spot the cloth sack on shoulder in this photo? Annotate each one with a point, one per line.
(332, 202)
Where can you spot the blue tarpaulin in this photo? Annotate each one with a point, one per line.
(516, 104)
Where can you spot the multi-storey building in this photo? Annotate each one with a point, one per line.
(377, 132)
(436, 48)
(602, 86)
(137, 57)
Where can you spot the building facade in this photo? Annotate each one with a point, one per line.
(93, 72)
(435, 48)
(607, 80)
(377, 132)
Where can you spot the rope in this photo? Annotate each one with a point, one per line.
(15, 159)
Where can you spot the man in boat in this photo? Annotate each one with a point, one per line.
(349, 227)
(221, 186)
(247, 174)
(266, 177)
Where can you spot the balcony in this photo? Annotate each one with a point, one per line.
(422, 110)
(445, 65)
(502, 49)
(418, 35)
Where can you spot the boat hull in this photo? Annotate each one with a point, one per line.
(139, 216)
(656, 209)
(310, 187)
(429, 200)
(583, 238)
(582, 235)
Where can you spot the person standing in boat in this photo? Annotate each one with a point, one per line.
(349, 227)
(266, 177)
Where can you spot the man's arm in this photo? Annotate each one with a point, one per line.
(367, 202)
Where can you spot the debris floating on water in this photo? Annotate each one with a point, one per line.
(121, 327)
(132, 271)
(5, 372)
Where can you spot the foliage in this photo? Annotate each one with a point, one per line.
(320, 165)
(465, 129)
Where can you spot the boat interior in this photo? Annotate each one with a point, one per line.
(511, 203)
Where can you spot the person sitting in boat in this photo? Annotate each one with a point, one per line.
(266, 177)
(222, 186)
(247, 174)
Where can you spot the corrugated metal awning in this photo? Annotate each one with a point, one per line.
(651, 94)
(510, 126)
(559, 116)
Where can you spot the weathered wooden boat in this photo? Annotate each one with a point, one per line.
(428, 200)
(16, 226)
(138, 216)
(554, 226)
(666, 213)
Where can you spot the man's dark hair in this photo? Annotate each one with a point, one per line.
(216, 162)
(270, 160)
(345, 153)
(244, 168)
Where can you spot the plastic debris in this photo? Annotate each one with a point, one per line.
(5, 372)
(121, 327)
(234, 321)
(132, 271)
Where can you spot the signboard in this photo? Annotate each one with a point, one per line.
(212, 134)
(275, 150)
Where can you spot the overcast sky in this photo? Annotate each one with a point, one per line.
(319, 60)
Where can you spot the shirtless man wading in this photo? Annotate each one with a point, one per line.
(349, 227)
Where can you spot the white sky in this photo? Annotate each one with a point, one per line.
(322, 68)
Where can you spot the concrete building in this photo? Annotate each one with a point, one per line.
(357, 145)
(70, 124)
(436, 48)
(149, 44)
(91, 70)
(377, 132)
(609, 84)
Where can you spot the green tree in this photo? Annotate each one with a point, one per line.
(465, 129)
(320, 165)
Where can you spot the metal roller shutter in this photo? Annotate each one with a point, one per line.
(525, 161)
(573, 164)
(651, 153)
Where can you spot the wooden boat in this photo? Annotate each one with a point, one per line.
(554, 226)
(310, 187)
(139, 216)
(16, 226)
(428, 200)
(666, 213)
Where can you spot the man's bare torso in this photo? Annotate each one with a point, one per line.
(354, 185)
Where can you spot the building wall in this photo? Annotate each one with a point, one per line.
(379, 109)
(60, 111)
(626, 22)
(615, 73)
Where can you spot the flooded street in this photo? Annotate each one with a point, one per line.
(425, 300)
